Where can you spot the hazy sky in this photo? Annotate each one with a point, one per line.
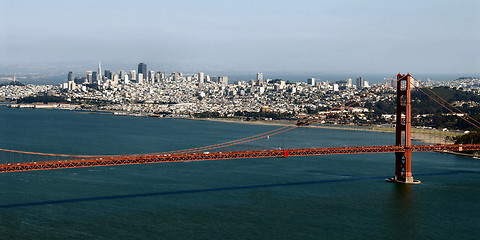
(318, 36)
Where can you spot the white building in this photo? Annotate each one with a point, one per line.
(201, 77)
(335, 87)
(311, 81)
(349, 82)
(133, 75)
(223, 80)
(140, 78)
(89, 76)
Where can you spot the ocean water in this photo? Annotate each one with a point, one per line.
(317, 197)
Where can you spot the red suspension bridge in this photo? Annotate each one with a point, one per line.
(403, 147)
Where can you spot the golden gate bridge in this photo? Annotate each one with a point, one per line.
(403, 147)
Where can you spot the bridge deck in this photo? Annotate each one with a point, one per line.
(157, 158)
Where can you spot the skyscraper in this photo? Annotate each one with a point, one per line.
(311, 81)
(88, 76)
(260, 79)
(99, 73)
(151, 77)
(121, 75)
(71, 76)
(142, 68)
(108, 74)
(94, 77)
(223, 80)
(360, 82)
(133, 75)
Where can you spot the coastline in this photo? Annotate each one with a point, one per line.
(422, 135)
(427, 136)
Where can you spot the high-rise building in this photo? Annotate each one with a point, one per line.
(151, 76)
(94, 77)
(142, 68)
(114, 79)
(99, 73)
(201, 77)
(162, 76)
(71, 76)
(89, 76)
(349, 82)
(335, 87)
(121, 75)
(360, 82)
(311, 81)
(140, 78)
(223, 80)
(108, 74)
(133, 75)
(260, 79)
(71, 85)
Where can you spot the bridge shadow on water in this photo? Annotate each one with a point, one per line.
(220, 189)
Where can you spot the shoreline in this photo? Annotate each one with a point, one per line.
(427, 136)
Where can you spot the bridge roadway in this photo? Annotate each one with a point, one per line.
(158, 158)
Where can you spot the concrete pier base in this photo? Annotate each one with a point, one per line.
(408, 180)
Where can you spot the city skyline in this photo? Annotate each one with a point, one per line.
(326, 37)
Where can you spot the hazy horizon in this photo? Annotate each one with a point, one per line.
(301, 37)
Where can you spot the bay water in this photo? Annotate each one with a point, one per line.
(315, 197)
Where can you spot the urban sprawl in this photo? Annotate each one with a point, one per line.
(154, 93)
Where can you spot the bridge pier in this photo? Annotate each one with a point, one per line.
(403, 160)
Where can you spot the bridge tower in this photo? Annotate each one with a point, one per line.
(403, 160)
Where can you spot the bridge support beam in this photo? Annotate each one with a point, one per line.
(403, 160)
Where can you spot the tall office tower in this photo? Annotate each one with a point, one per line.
(140, 78)
(223, 80)
(360, 82)
(115, 78)
(349, 82)
(88, 76)
(133, 75)
(311, 81)
(162, 75)
(99, 73)
(71, 76)
(201, 77)
(121, 75)
(151, 77)
(94, 77)
(142, 68)
(108, 74)
(260, 79)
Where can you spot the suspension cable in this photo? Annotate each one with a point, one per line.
(475, 120)
(466, 119)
